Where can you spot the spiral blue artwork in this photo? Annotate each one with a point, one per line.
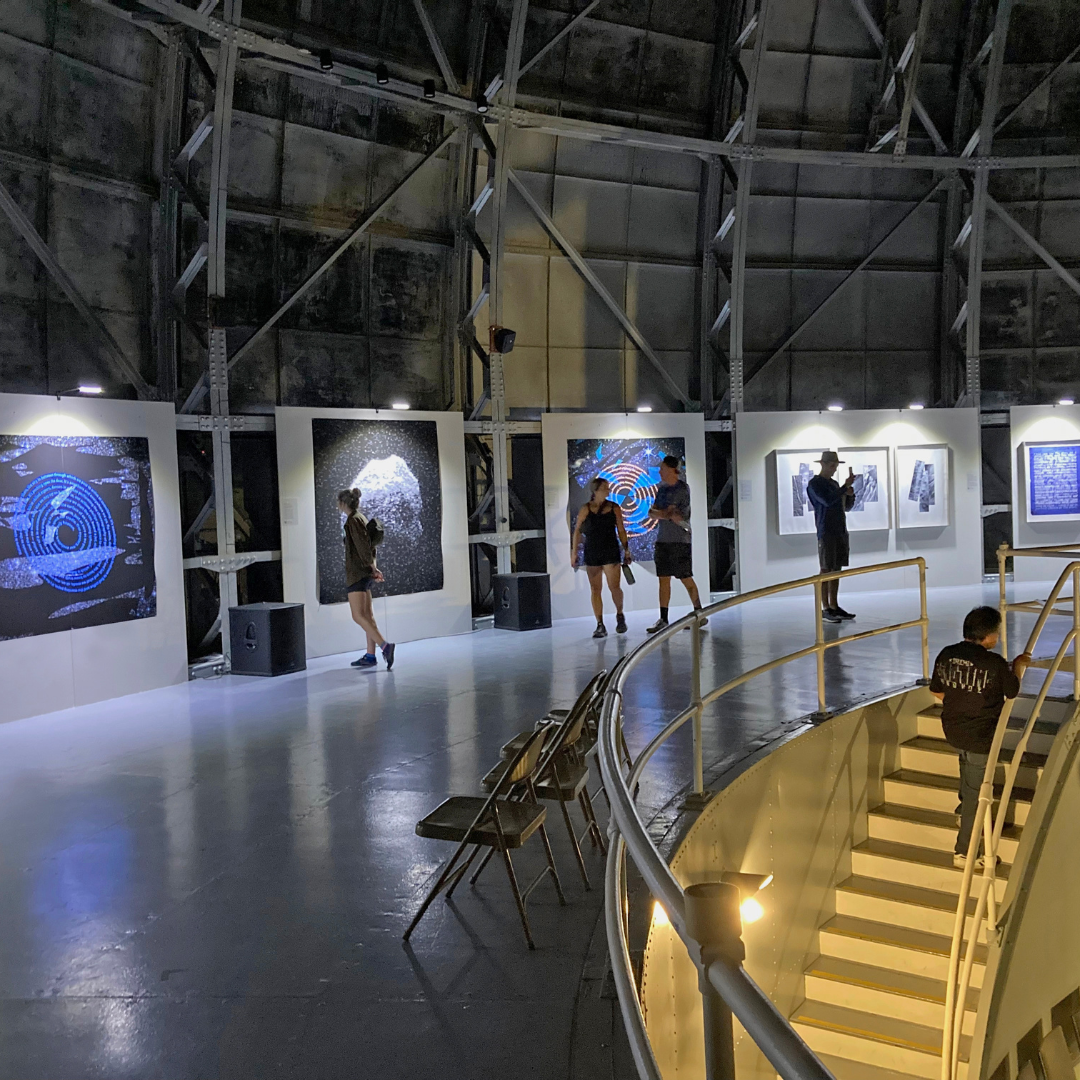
(76, 533)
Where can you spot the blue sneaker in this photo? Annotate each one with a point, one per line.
(388, 654)
(367, 660)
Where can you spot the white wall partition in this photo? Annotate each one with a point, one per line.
(570, 589)
(76, 667)
(1039, 424)
(329, 627)
(953, 552)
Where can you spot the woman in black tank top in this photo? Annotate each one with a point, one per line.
(600, 522)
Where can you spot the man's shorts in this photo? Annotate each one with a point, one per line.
(673, 560)
(833, 552)
(363, 585)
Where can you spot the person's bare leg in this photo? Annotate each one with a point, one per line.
(364, 617)
(596, 581)
(665, 592)
(691, 588)
(614, 584)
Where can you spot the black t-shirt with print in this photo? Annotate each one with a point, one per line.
(975, 683)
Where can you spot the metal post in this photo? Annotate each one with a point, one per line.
(695, 677)
(925, 628)
(1003, 603)
(1076, 631)
(819, 639)
(714, 922)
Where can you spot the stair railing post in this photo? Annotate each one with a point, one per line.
(925, 628)
(1076, 633)
(1003, 603)
(713, 920)
(819, 640)
(695, 675)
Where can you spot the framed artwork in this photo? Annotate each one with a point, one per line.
(922, 486)
(794, 468)
(632, 468)
(395, 464)
(76, 533)
(1052, 475)
(871, 511)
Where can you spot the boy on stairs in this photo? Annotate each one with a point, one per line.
(972, 683)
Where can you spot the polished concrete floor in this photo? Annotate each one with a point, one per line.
(212, 880)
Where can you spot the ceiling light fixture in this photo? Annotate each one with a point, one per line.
(481, 104)
(1065, 401)
(326, 59)
(89, 388)
(401, 406)
(382, 76)
(836, 408)
(644, 408)
(429, 89)
(916, 406)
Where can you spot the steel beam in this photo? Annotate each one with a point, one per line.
(586, 272)
(436, 44)
(1044, 81)
(977, 241)
(741, 225)
(124, 367)
(911, 76)
(1019, 231)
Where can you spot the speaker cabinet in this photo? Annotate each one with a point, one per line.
(267, 639)
(522, 601)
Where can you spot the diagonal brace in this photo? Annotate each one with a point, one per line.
(361, 227)
(25, 228)
(1032, 243)
(583, 268)
(437, 47)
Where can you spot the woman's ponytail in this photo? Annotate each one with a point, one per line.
(350, 497)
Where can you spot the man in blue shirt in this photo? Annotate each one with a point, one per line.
(671, 508)
(831, 502)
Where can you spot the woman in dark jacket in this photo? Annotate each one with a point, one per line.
(361, 573)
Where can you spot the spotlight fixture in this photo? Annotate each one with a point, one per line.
(916, 405)
(382, 76)
(751, 910)
(748, 885)
(326, 60)
(660, 916)
(93, 388)
(401, 406)
(481, 104)
(1065, 401)
(836, 408)
(429, 89)
(644, 408)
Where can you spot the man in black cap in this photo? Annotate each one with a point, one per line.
(831, 502)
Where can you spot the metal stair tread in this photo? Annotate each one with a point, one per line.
(937, 819)
(887, 979)
(883, 1029)
(948, 783)
(846, 1069)
(900, 936)
(940, 746)
(890, 849)
(903, 893)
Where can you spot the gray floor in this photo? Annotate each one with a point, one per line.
(212, 880)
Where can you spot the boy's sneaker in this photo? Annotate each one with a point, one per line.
(364, 661)
(600, 631)
(828, 615)
(845, 615)
(388, 654)
(620, 623)
(660, 624)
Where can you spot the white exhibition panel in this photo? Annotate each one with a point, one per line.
(76, 667)
(1034, 425)
(329, 628)
(570, 588)
(953, 551)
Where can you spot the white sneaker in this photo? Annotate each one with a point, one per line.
(960, 861)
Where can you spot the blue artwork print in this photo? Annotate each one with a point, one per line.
(76, 533)
(632, 468)
(1053, 481)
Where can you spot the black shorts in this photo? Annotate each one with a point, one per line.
(833, 552)
(363, 585)
(673, 560)
(603, 555)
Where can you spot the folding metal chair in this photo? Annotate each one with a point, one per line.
(502, 821)
(552, 719)
(1056, 1059)
(562, 776)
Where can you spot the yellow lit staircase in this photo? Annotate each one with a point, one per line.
(875, 995)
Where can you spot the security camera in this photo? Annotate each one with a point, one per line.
(502, 339)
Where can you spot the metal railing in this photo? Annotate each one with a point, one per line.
(988, 826)
(724, 982)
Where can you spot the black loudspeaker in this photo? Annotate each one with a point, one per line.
(522, 601)
(267, 639)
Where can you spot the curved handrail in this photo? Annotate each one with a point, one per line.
(770, 1030)
(991, 827)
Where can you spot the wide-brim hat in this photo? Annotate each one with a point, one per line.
(829, 457)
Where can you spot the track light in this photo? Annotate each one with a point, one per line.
(481, 104)
(93, 388)
(382, 76)
(915, 405)
(429, 89)
(644, 408)
(326, 60)
(836, 408)
(401, 406)
(1065, 401)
